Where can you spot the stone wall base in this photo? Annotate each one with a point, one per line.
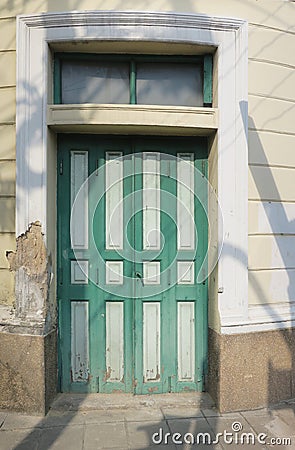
(28, 372)
(246, 371)
(252, 370)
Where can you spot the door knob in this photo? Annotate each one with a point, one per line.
(139, 276)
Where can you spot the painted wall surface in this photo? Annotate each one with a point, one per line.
(271, 131)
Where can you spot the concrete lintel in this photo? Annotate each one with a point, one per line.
(136, 118)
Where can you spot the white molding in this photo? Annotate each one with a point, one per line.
(272, 312)
(265, 317)
(229, 36)
(131, 18)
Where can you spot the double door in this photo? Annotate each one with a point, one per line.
(132, 238)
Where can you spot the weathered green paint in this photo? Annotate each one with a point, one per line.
(57, 81)
(207, 89)
(94, 292)
(128, 57)
(132, 82)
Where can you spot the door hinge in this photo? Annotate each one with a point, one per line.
(61, 167)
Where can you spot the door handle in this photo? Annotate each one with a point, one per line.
(139, 276)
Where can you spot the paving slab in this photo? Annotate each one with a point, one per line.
(20, 440)
(62, 438)
(194, 426)
(287, 415)
(193, 432)
(278, 427)
(211, 412)
(111, 448)
(21, 421)
(98, 436)
(269, 422)
(58, 419)
(140, 435)
(228, 422)
(144, 415)
(3, 416)
(233, 430)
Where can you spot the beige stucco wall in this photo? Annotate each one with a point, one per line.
(271, 131)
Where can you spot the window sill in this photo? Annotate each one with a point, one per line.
(92, 118)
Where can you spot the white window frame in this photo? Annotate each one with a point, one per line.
(35, 35)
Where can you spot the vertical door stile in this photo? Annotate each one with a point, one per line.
(137, 241)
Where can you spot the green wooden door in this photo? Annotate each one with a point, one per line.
(132, 236)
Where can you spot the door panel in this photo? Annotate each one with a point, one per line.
(130, 244)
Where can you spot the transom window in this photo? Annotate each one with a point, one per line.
(143, 80)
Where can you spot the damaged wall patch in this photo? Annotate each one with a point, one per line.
(30, 263)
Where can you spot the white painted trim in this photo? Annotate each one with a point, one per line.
(276, 312)
(229, 36)
(86, 19)
(184, 120)
(264, 318)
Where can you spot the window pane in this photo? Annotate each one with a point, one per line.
(94, 82)
(169, 84)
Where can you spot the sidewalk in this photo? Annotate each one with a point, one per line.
(122, 421)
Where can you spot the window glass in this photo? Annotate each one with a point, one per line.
(94, 82)
(169, 84)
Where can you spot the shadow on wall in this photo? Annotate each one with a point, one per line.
(281, 382)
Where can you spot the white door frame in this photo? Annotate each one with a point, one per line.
(35, 190)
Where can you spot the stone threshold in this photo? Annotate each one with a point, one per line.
(90, 402)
